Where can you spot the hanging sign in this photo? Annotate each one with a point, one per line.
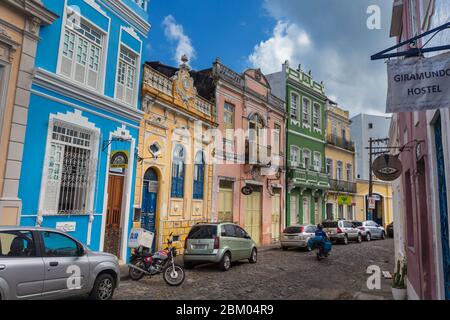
(119, 159)
(387, 167)
(344, 200)
(418, 84)
(247, 190)
(372, 203)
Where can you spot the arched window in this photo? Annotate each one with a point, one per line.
(199, 175)
(256, 125)
(178, 163)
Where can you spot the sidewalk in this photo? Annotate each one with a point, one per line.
(384, 293)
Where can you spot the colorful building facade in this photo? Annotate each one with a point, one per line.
(421, 193)
(249, 151)
(339, 164)
(78, 169)
(174, 171)
(307, 182)
(20, 24)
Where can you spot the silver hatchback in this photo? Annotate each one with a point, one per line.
(38, 263)
(297, 236)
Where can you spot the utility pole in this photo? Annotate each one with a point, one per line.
(370, 211)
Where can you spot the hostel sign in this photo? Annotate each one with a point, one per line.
(416, 84)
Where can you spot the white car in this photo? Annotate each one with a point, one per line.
(297, 236)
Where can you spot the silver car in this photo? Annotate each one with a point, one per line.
(342, 231)
(297, 236)
(39, 263)
(370, 230)
(220, 243)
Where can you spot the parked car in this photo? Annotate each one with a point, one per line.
(40, 263)
(221, 243)
(373, 230)
(297, 236)
(364, 233)
(390, 230)
(342, 231)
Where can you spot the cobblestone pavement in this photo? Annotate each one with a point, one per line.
(293, 274)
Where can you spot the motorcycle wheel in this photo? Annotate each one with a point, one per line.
(135, 274)
(174, 276)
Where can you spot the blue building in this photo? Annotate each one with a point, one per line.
(79, 158)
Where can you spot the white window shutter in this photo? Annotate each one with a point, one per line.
(120, 91)
(92, 78)
(80, 72)
(129, 95)
(66, 66)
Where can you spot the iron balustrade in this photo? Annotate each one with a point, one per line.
(340, 142)
(342, 186)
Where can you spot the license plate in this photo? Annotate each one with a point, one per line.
(200, 246)
(292, 237)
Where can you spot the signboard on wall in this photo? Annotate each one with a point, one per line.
(66, 226)
(344, 200)
(119, 159)
(416, 84)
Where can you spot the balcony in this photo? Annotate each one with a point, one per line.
(341, 142)
(309, 178)
(342, 186)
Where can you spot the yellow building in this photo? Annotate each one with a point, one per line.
(382, 191)
(20, 23)
(174, 177)
(340, 164)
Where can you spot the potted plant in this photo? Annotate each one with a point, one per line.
(399, 281)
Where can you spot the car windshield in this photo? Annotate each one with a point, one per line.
(203, 232)
(330, 224)
(294, 229)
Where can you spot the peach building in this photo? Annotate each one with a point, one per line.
(20, 21)
(248, 158)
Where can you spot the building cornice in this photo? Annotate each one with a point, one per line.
(129, 15)
(68, 88)
(35, 9)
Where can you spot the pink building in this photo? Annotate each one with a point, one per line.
(243, 102)
(421, 197)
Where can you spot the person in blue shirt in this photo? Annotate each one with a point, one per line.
(320, 233)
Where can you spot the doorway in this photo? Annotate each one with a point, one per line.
(329, 211)
(149, 200)
(113, 230)
(276, 217)
(253, 216)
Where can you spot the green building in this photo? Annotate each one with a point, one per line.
(307, 182)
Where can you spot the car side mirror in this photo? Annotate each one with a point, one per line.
(81, 251)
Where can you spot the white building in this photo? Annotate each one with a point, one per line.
(364, 127)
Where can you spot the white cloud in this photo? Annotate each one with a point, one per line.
(175, 32)
(287, 42)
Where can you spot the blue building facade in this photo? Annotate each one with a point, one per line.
(79, 160)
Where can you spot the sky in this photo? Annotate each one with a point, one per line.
(328, 37)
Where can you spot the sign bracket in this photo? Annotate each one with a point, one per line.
(413, 51)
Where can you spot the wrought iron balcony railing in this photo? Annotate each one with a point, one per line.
(342, 186)
(340, 142)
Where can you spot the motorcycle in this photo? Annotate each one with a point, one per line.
(321, 246)
(144, 263)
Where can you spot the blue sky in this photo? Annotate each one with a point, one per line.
(329, 37)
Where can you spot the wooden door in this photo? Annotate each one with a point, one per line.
(225, 207)
(276, 217)
(293, 210)
(253, 216)
(113, 230)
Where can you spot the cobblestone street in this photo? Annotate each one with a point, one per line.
(294, 274)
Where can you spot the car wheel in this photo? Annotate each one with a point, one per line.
(368, 238)
(225, 263)
(345, 241)
(359, 239)
(383, 236)
(254, 256)
(284, 248)
(103, 287)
